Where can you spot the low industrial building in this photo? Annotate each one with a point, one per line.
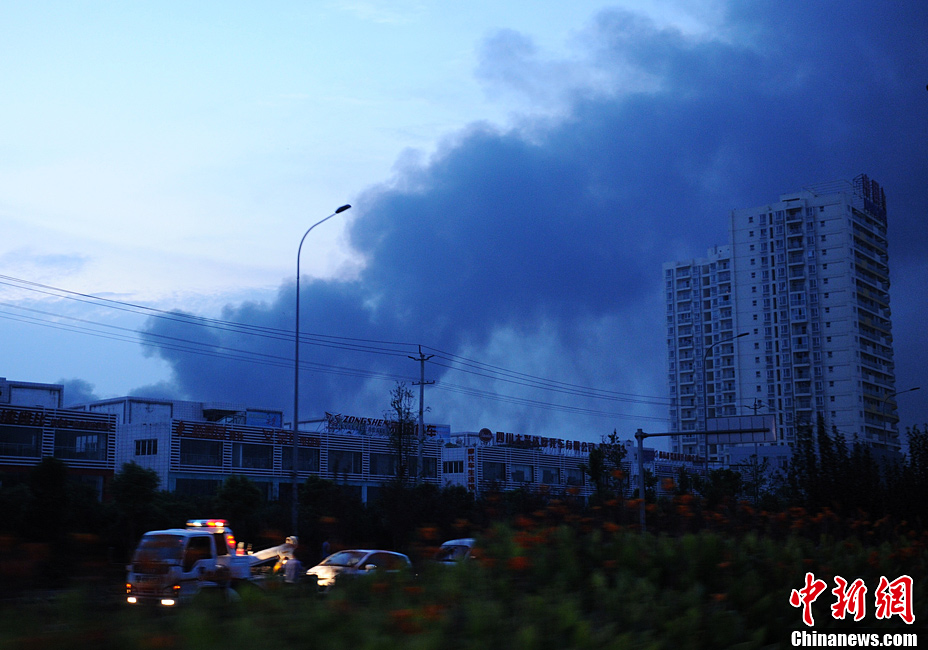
(33, 425)
(194, 446)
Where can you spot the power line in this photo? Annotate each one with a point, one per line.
(449, 361)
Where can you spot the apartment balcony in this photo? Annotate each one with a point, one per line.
(879, 298)
(880, 285)
(879, 270)
(878, 324)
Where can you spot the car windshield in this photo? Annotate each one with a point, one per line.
(452, 553)
(155, 548)
(344, 558)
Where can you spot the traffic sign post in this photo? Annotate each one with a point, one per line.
(726, 431)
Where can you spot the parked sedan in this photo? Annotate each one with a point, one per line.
(356, 562)
(456, 550)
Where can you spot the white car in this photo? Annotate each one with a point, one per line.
(356, 562)
(456, 550)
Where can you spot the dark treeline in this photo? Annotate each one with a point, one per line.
(54, 529)
(828, 471)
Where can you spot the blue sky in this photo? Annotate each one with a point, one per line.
(518, 173)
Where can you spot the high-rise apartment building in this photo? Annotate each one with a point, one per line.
(790, 320)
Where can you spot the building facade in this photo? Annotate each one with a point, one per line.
(488, 460)
(791, 320)
(194, 446)
(34, 426)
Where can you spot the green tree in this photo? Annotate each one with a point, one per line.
(241, 502)
(605, 469)
(48, 482)
(724, 485)
(134, 489)
(401, 425)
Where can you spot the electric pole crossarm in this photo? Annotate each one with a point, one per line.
(421, 383)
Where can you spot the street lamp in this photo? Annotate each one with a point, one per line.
(705, 397)
(883, 408)
(296, 370)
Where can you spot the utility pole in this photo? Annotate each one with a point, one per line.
(421, 384)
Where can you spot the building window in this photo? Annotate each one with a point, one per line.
(80, 445)
(207, 453)
(429, 467)
(522, 473)
(307, 459)
(383, 464)
(251, 456)
(146, 447)
(344, 462)
(452, 467)
(494, 472)
(19, 441)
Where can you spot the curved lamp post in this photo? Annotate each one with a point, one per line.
(296, 372)
(705, 394)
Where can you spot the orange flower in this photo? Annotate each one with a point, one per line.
(524, 522)
(526, 540)
(519, 563)
(404, 620)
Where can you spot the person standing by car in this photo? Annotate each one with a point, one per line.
(293, 571)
